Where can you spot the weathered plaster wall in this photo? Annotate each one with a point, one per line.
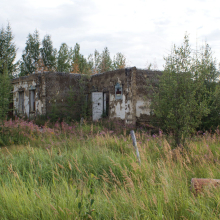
(24, 84)
(105, 82)
(143, 78)
(50, 88)
(117, 108)
(142, 107)
(53, 88)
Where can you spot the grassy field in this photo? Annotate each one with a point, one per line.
(91, 172)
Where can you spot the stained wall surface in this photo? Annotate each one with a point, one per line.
(122, 109)
(145, 80)
(58, 87)
(50, 89)
(24, 85)
(53, 89)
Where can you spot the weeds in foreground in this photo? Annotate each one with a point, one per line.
(88, 172)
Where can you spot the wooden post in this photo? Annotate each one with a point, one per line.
(198, 184)
(135, 145)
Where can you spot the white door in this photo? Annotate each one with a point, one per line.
(97, 105)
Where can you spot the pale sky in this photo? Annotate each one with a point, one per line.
(143, 30)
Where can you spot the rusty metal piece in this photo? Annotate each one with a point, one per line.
(198, 184)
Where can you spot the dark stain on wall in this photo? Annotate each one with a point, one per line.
(55, 87)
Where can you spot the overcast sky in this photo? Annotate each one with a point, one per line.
(143, 30)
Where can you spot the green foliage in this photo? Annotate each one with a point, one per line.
(105, 61)
(79, 63)
(5, 100)
(30, 56)
(55, 114)
(94, 61)
(7, 51)
(212, 120)
(90, 174)
(119, 61)
(64, 58)
(5, 90)
(206, 68)
(67, 59)
(40, 120)
(78, 102)
(85, 205)
(48, 53)
(178, 103)
(100, 63)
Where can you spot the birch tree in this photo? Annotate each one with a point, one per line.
(177, 103)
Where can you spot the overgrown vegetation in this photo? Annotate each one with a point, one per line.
(90, 172)
(67, 59)
(5, 99)
(7, 52)
(185, 97)
(56, 170)
(78, 104)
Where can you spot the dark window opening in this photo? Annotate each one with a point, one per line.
(118, 92)
(105, 104)
(32, 100)
(21, 102)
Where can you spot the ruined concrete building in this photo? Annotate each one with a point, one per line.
(119, 94)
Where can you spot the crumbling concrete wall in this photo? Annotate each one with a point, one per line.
(144, 79)
(58, 87)
(51, 89)
(124, 108)
(25, 84)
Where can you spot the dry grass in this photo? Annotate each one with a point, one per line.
(93, 174)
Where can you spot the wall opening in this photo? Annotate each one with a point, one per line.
(32, 101)
(105, 104)
(97, 105)
(21, 102)
(118, 91)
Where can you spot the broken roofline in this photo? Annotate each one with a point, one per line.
(53, 87)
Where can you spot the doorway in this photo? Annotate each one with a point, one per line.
(100, 105)
(105, 104)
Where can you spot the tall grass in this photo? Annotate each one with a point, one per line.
(90, 172)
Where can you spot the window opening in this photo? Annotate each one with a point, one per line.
(21, 102)
(32, 100)
(118, 91)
